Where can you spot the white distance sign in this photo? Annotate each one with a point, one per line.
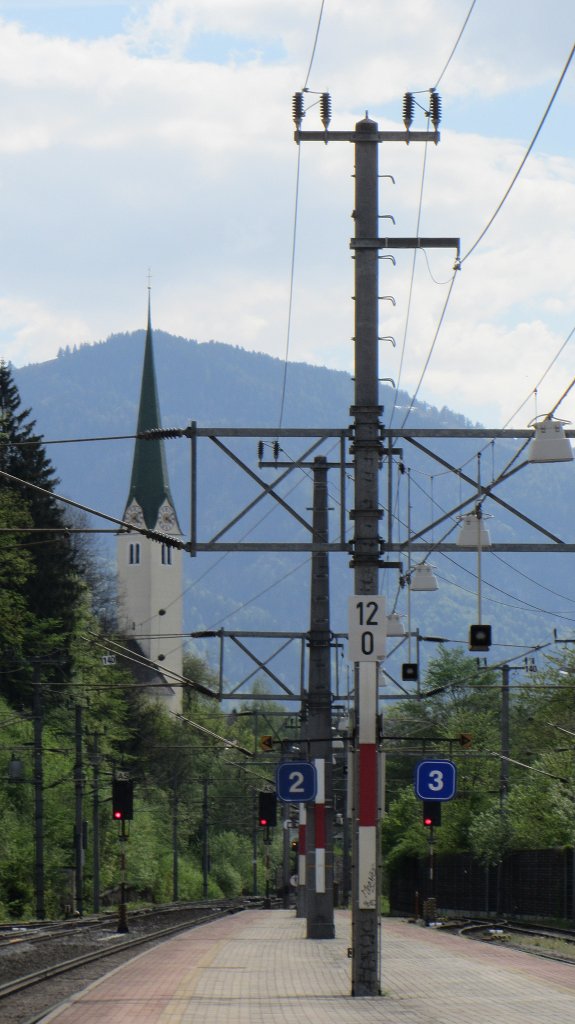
(366, 627)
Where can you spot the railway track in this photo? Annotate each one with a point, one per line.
(538, 940)
(29, 994)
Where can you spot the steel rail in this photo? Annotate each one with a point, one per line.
(65, 966)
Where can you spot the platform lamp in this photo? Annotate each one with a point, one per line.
(549, 442)
(394, 625)
(474, 534)
(423, 578)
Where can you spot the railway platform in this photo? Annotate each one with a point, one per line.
(257, 967)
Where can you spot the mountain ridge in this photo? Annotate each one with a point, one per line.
(92, 390)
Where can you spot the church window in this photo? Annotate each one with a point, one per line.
(166, 554)
(134, 554)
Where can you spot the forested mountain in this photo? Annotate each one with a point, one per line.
(93, 391)
(84, 403)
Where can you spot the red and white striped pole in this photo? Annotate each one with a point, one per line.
(367, 788)
(319, 822)
(301, 858)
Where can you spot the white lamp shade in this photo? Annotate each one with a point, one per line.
(549, 443)
(423, 578)
(473, 532)
(395, 626)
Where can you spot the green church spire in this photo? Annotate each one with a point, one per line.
(150, 495)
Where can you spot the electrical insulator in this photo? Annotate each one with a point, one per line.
(260, 450)
(325, 109)
(297, 109)
(435, 108)
(276, 450)
(408, 110)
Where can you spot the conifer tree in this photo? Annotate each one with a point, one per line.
(52, 585)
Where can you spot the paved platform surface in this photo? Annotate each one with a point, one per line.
(258, 968)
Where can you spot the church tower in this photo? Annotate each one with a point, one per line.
(149, 572)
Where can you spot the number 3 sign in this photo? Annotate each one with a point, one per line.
(435, 780)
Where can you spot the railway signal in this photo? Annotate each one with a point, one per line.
(267, 810)
(431, 813)
(122, 799)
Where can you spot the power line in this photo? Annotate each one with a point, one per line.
(312, 58)
(411, 281)
(457, 42)
(68, 440)
(291, 286)
(524, 160)
(430, 353)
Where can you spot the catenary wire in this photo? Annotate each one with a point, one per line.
(523, 606)
(535, 582)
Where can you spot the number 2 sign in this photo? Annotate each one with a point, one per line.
(366, 627)
(296, 781)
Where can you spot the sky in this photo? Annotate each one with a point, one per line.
(152, 140)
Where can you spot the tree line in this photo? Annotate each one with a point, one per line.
(192, 833)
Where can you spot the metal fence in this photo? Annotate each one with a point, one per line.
(528, 883)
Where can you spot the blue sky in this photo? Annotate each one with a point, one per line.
(90, 20)
(158, 133)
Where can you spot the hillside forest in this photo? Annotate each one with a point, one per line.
(72, 719)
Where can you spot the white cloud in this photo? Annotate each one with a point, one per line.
(32, 333)
(171, 146)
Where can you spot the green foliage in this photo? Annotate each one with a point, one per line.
(523, 801)
(59, 703)
(45, 585)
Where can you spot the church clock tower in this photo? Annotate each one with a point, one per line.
(149, 572)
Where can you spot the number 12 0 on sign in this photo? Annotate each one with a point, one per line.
(366, 627)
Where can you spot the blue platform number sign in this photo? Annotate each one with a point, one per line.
(435, 780)
(296, 781)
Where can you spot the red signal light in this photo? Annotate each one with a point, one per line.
(267, 809)
(431, 813)
(122, 799)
